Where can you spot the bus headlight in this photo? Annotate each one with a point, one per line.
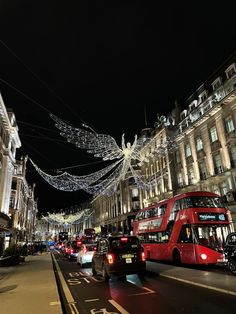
(203, 256)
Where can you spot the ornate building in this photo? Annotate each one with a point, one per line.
(18, 207)
(9, 142)
(191, 149)
(23, 206)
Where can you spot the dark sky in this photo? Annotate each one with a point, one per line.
(105, 63)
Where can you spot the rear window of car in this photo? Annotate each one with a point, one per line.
(90, 247)
(124, 242)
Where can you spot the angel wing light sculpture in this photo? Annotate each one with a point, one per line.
(106, 180)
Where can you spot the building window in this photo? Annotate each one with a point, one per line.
(229, 124)
(213, 134)
(199, 144)
(217, 164)
(177, 157)
(135, 192)
(203, 96)
(180, 179)
(216, 84)
(230, 71)
(190, 176)
(202, 170)
(188, 150)
(233, 156)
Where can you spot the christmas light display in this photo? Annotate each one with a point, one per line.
(63, 219)
(106, 180)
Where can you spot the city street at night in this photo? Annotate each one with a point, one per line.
(164, 289)
(117, 157)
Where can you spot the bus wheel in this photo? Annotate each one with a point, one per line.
(176, 257)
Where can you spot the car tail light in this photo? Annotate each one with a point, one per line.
(71, 251)
(143, 257)
(124, 239)
(110, 258)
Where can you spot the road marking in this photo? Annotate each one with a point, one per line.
(91, 300)
(142, 293)
(85, 279)
(118, 306)
(70, 300)
(200, 284)
(54, 302)
(97, 280)
(73, 308)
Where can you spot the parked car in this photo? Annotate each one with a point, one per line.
(230, 252)
(118, 255)
(85, 254)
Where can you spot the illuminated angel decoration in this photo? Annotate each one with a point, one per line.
(106, 180)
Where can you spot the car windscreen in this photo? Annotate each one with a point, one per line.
(124, 243)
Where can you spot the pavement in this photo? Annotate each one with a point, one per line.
(30, 287)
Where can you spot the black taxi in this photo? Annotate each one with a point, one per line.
(118, 255)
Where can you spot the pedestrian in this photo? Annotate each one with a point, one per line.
(41, 248)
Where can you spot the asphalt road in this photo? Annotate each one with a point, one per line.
(85, 293)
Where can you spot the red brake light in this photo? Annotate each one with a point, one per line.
(124, 239)
(71, 251)
(110, 258)
(143, 256)
(79, 243)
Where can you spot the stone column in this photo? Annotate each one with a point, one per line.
(207, 149)
(224, 150)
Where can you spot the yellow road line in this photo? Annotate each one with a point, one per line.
(118, 306)
(69, 298)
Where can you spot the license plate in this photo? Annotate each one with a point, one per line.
(128, 260)
(127, 256)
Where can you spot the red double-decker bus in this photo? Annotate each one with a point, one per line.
(189, 228)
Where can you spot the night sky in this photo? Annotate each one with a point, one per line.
(106, 63)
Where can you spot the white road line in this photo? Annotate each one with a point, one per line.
(142, 293)
(119, 307)
(85, 279)
(92, 300)
(200, 285)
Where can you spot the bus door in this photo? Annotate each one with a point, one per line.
(186, 246)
